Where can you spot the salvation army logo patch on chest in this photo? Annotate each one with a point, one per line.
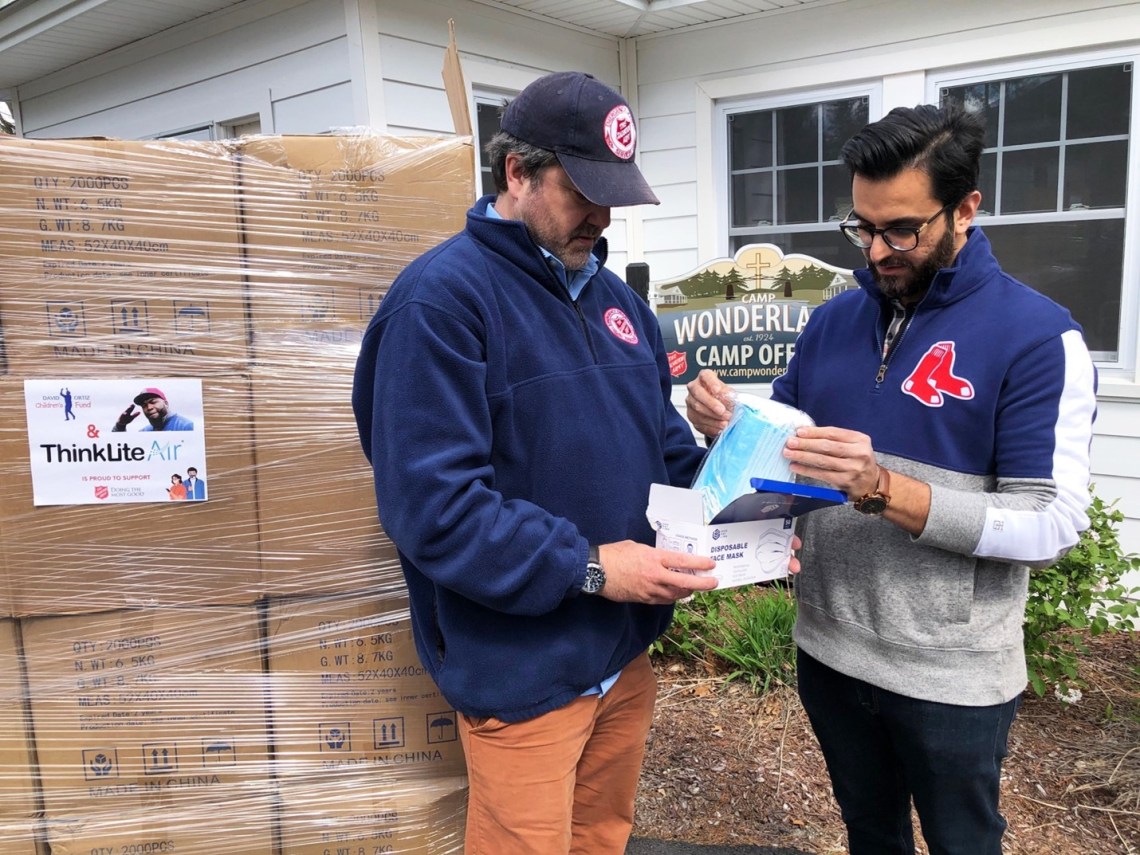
(618, 324)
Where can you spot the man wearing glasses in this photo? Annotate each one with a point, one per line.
(955, 407)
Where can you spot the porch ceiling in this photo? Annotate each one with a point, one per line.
(629, 18)
(39, 37)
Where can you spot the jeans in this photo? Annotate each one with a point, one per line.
(883, 749)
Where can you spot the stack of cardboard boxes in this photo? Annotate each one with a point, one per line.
(236, 674)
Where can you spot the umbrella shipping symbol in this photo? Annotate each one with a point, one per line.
(441, 727)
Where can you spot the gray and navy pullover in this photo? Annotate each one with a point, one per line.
(989, 396)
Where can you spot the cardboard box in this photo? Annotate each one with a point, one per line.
(17, 783)
(69, 559)
(148, 707)
(750, 540)
(21, 837)
(347, 692)
(364, 813)
(120, 254)
(329, 221)
(242, 826)
(319, 529)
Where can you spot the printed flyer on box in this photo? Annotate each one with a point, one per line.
(115, 441)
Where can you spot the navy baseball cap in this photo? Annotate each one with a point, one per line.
(590, 127)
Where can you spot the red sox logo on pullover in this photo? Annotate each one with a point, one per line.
(934, 377)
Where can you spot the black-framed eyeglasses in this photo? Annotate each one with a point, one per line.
(898, 238)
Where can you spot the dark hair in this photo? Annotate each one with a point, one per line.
(534, 159)
(946, 143)
(190, 469)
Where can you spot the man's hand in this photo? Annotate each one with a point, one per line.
(125, 418)
(842, 458)
(636, 573)
(708, 404)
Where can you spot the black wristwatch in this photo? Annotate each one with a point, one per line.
(595, 575)
(875, 502)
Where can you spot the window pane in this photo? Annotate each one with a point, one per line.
(987, 184)
(983, 98)
(1033, 109)
(488, 123)
(750, 140)
(828, 246)
(1099, 101)
(1029, 181)
(798, 195)
(752, 199)
(797, 135)
(841, 121)
(1094, 175)
(1079, 264)
(836, 193)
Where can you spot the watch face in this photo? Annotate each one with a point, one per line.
(595, 579)
(872, 505)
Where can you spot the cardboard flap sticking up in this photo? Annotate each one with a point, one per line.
(774, 499)
(455, 87)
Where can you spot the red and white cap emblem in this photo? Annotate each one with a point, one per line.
(621, 136)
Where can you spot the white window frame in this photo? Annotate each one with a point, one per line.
(1125, 368)
(487, 82)
(871, 90)
(213, 130)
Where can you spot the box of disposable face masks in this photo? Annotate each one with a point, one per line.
(750, 539)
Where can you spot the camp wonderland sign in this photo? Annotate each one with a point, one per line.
(741, 316)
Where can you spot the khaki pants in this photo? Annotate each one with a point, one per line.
(564, 782)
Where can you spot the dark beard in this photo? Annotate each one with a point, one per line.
(912, 287)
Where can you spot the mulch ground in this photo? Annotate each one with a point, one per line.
(725, 766)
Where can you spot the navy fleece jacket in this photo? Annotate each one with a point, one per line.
(509, 427)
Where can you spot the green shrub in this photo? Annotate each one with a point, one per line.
(746, 632)
(1081, 593)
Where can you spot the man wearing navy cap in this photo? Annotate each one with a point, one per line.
(513, 397)
(152, 403)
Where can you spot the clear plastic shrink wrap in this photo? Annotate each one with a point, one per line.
(204, 637)
(750, 447)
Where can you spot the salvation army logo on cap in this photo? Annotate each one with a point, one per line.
(619, 325)
(621, 138)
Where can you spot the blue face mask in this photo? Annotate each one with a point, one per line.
(750, 447)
